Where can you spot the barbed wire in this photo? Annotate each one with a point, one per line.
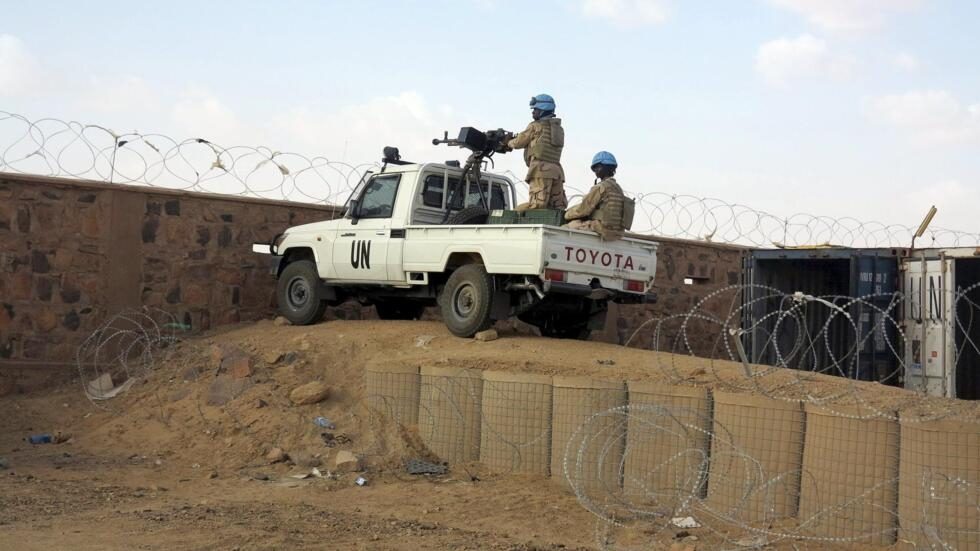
(69, 149)
(124, 350)
(764, 438)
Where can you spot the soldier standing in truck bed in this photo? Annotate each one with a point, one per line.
(605, 210)
(542, 142)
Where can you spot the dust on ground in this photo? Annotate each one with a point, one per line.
(182, 460)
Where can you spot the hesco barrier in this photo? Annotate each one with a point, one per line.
(591, 443)
(939, 477)
(393, 389)
(667, 441)
(516, 431)
(756, 457)
(645, 452)
(849, 485)
(449, 412)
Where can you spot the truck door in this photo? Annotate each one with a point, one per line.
(360, 252)
(928, 337)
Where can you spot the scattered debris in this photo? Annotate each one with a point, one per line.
(40, 439)
(260, 403)
(276, 455)
(606, 362)
(102, 387)
(361, 481)
(323, 422)
(419, 466)
(423, 341)
(347, 462)
(685, 522)
(310, 393)
(486, 336)
(332, 440)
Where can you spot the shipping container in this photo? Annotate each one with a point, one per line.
(942, 321)
(837, 336)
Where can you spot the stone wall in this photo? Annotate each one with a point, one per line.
(688, 272)
(74, 252)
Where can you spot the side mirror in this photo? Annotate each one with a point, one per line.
(355, 205)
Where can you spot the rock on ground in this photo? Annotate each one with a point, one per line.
(310, 393)
(276, 455)
(347, 462)
(487, 336)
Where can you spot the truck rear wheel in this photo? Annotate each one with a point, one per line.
(466, 300)
(296, 293)
(399, 309)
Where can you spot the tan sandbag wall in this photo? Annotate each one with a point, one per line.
(756, 457)
(842, 478)
(939, 484)
(587, 438)
(849, 484)
(667, 443)
(392, 388)
(450, 406)
(515, 435)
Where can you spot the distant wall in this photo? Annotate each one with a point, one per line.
(74, 252)
(710, 268)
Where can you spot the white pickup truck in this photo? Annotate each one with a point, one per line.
(393, 250)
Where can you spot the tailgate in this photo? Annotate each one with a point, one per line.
(584, 255)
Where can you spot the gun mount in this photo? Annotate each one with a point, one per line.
(482, 145)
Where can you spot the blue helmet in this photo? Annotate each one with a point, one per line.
(543, 102)
(604, 158)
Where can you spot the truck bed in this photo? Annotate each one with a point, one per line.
(529, 250)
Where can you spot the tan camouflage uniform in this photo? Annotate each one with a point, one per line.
(542, 142)
(601, 211)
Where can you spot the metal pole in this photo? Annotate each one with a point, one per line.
(922, 320)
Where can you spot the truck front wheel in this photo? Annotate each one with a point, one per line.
(296, 293)
(466, 300)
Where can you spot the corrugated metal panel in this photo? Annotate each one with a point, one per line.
(817, 337)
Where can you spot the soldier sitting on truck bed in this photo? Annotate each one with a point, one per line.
(605, 209)
(542, 142)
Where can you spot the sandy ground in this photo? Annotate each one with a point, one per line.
(180, 461)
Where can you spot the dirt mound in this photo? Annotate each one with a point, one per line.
(224, 400)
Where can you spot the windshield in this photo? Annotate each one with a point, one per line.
(356, 191)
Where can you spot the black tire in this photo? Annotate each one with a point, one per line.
(296, 293)
(399, 309)
(469, 215)
(466, 301)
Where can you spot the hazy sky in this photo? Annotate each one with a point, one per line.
(862, 108)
